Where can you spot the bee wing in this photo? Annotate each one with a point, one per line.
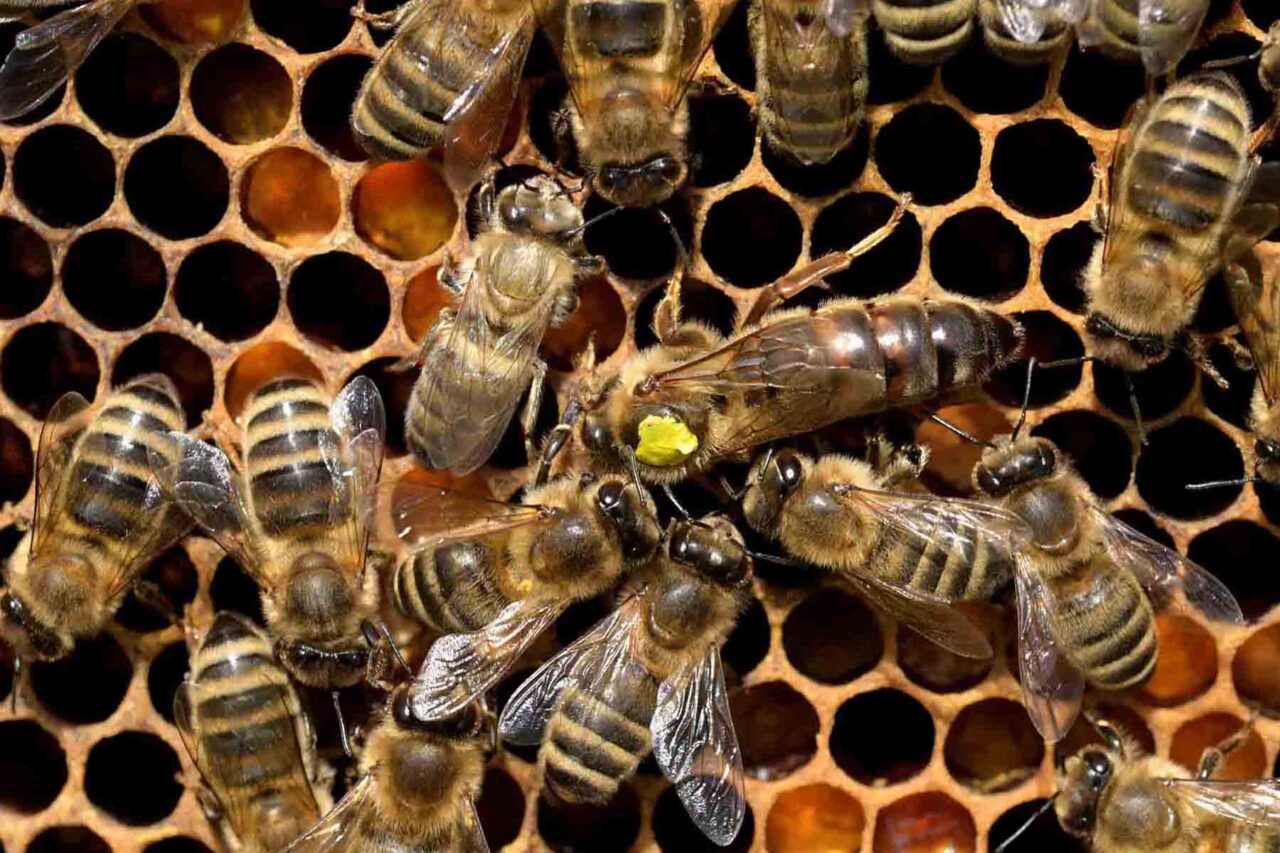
(1162, 572)
(1027, 20)
(63, 426)
(459, 667)
(424, 515)
(470, 832)
(1254, 802)
(926, 614)
(1052, 688)
(840, 15)
(336, 831)
(1257, 305)
(603, 650)
(1166, 29)
(46, 54)
(359, 421)
(696, 747)
(793, 41)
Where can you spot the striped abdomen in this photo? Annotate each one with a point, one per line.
(599, 734)
(452, 588)
(925, 32)
(957, 562)
(1002, 43)
(290, 483)
(621, 31)
(1105, 624)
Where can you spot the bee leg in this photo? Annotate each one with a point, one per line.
(679, 507)
(17, 684)
(152, 596)
(225, 439)
(903, 464)
(529, 420)
(1194, 346)
(1211, 759)
(1098, 220)
(382, 20)
(562, 136)
(342, 726)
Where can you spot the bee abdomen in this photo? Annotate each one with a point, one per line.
(925, 31)
(618, 30)
(956, 563)
(1108, 630)
(451, 588)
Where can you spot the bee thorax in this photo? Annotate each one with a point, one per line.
(1137, 813)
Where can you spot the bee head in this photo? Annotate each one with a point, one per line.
(643, 184)
(1086, 775)
(30, 638)
(1127, 350)
(712, 549)
(1009, 464)
(463, 725)
(328, 665)
(538, 206)
(622, 505)
(771, 480)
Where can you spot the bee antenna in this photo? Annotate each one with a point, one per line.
(593, 220)
(342, 726)
(1137, 412)
(1026, 824)
(671, 496)
(375, 632)
(634, 470)
(1026, 398)
(969, 437)
(17, 684)
(1217, 484)
(777, 560)
(1231, 60)
(682, 254)
(1106, 730)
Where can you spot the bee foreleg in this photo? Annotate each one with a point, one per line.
(1199, 355)
(151, 595)
(383, 20)
(454, 275)
(1211, 759)
(529, 420)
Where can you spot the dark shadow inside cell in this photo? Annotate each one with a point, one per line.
(173, 579)
(9, 31)
(892, 79)
(242, 95)
(722, 133)
(580, 617)
(637, 243)
(698, 301)
(64, 175)
(1146, 525)
(33, 767)
(985, 83)
(819, 179)
(308, 26)
(930, 151)
(934, 668)
(339, 300)
(676, 832)
(395, 388)
(1044, 835)
(882, 737)
(177, 187)
(1042, 167)
(327, 99)
(608, 828)
(1062, 266)
(510, 452)
(1098, 447)
(151, 768)
(1263, 13)
(1165, 469)
(992, 746)
(1234, 46)
(832, 637)
(1159, 389)
(732, 46)
(128, 85)
(751, 237)
(1048, 339)
(116, 280)
(1100, 90)
(1268, 495)
(979, 253)
(882, 269)
(501, 808)
(165, 675)
(381, 35)
(1215, 311)
(66, 363)
(86, 686)
(26, 268)
(1233, 402)
(233, 589)
(748, 642)
(547, 125)
(68, 839)
(777, 729)
(176, 844)
(228, 289)
(1237, 553)
(183, 362)
(16, 462)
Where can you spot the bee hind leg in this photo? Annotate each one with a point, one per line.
(529, 419)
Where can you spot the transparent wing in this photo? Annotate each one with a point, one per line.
(63, 426)
(1257, 306)
(697, 748)
(470, 832)
(839, 15)
(1166, 29)
(1052, 688)
(359, 421)
(603, 649)
(1163, 572)
(1028, 20)
(45, 55)
(338, 829)
(1253, 802)
(424, 515)
(460, 667)
(925, 613)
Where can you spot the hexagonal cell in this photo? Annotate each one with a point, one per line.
(1159, 389)
(1100, 90)
(992, 746)
(501, 807)
(820, 179)
(327, 100)
(722, 135)
(128, 85)
(404, 209)
(26, 267)
(986, 83)
(816, 817)
(748, 642)
(1255, 672)
(777, 729)
(1233, 552)
(177, 187)
(88, 685)
(240, 94)
(290, 197)
(1047, 339)
(16, 462)
(885, 268)
(116, 280)
(309, 26)
(1186, 665)
(698, 300)
(979, 253)
(860, 745)
(1165, 469)
(195, 22)
(600, 318)
(165, 675)
(258, 366)
(175, 357)
(922, 823)
(1043, 834)
(68, 364)
(339, 300)
(1098, 447)
(68, 839)
(832, 637)
(227, 289)
(64, 175)
(935, 668)
(637, 243)
(1065, 257)
(1083, 733)
(1019, 176)
(232, 589)
(609, 828)
(33, 767)
(150, 766)
(1193, 737)
(751, 237)
(733, 51)
(930, 151)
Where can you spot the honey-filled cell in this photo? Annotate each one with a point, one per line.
(195, 22)
(928, 822)
(816, 818)
(1247, 761)
(404, 209)
(1255, 670)
(1186, 665)
(291, 198)
(259, 365)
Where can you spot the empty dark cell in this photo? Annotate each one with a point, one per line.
(165, 675)
(1146, 525)
(545, 108)
(42, 362)
(987, 84)
(395, 387)
(33, 767)
(308, 26)
(167, 586)
(116, 280)
(183, 362)
(68, 839)
(777, 729)
(1165, 469)
(733, 50)
(64, 176)
(339, 300)
(8, 34)
(1158, 389)
(748, 643)
(1263, 13)
(637, 243)
(892, 79)
(1234, 46)
(820, 179)
(16, 463)
(1231, 403)
(675, 832)
(935, 668)
(151, 769)
(751, 237)
(1098, 448)
(242, 95)
(176, 187)
(1100, 90)
(327, 99)
(1218, 11)
(1042, 167)
(992, 746)
(1044, 835)
(176, 844)
(232, 589)
(882, 736)
(882, 269)
(510, 452)
(1047, 339)
(87, 685)
(501, 808)
(128, 85)
(1215, 311)
(1065, 256)
(698, 300)
(609, 828)
(228, 289)
(722, 133)
(980, 253)
(930, 151)
(1238, 553)
(832, 637)
(26, 268)
(1268, 495)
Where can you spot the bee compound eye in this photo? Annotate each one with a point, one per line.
(402, 708)
(1097, 768)
(596, 434)
(790, 470)
(610, 497)
(1267, 450)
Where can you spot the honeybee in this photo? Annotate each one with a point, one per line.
(629, 64)
(812, 83)
(1029, 32)
(1157, 32)
(420, 782)
(1118, 800)
(493, 576)
(1088, 585)
(99, 519)
(911, 554)
(295, 517)
(925, 32)
(649, 675)
(448, 77)
(1186, 199)
(244, 728)
(1258, 309)
(477, 361)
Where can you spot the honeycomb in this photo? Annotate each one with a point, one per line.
(193, 202)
